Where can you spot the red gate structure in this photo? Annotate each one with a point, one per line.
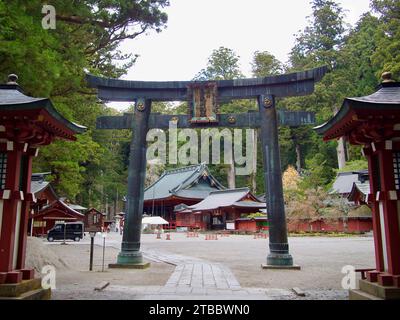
(374, 123)
(26, 124)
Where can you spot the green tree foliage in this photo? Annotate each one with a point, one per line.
(265, 64)
(51, 63)
(347, 53)
(318, 173)
(318, 43)
(355, 165)
(386, 57)
(92, 170)
(223, 64)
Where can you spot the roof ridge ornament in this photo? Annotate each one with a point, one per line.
(12, 79)
(387, 77)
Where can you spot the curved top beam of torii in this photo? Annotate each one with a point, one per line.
(293, 84)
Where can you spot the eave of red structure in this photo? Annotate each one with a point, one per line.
(171, 200)
(32, 120)
(368, 119)
(233, 199)
(62, 208)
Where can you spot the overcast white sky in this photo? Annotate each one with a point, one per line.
(196, 27)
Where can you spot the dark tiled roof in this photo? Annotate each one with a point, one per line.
(11, 95)
(188, 182)
(388, 93)
(39, 176)
(38, 183)
(250, 204)
(12, 98)
(345, 180)
(76, 206)
(63, 204)
(386, 98)
(227, 198)
(363, 188)
(38, 186)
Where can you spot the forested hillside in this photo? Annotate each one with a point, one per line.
(92, 171)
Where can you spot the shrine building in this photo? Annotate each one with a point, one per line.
(26, 124)
(187, 185)
(94, 219)
(374, 123)
(56, 212)
(222, 209)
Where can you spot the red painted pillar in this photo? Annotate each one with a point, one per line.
(26, 188)
(376, 225)
(390, 212)
(11, 201)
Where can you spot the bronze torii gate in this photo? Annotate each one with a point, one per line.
(203, 98)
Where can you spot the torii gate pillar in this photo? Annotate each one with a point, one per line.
(279, 256)
(130, 255)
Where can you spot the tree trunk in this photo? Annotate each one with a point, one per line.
(341, 150)
(231, 175)
(341, 153)
(298, 157)
(254, 165)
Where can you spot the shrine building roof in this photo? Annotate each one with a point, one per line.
(15, 103)
(192, 182)
(361, 190)
(366, 113)
(241, 198)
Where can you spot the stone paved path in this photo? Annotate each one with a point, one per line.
(194, 278)
(194, 275)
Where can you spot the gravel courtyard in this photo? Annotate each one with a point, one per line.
(195, 268)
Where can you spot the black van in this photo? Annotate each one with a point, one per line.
(74, 231)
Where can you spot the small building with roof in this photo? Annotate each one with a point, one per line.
(218, 209)
(187, 185)
(94, 219)
(56, 212)
(352, 188)
(252, 224)
(344, 181)
(43, 191)
(360, 193)
(45, 195)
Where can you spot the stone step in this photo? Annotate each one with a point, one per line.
(361, 295)
(16, 290)
(373, 288)
(38, 294)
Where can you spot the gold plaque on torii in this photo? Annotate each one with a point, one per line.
(203, 106)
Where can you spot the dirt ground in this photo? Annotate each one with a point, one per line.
(77, 275)
(321, 260)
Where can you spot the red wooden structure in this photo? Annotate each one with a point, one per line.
(218, 209)
(256, 224)
(374, 122)
(348, 225)
(57, 211)
(94, 219)
(44, 194)
(186, 185)
(26, 124)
